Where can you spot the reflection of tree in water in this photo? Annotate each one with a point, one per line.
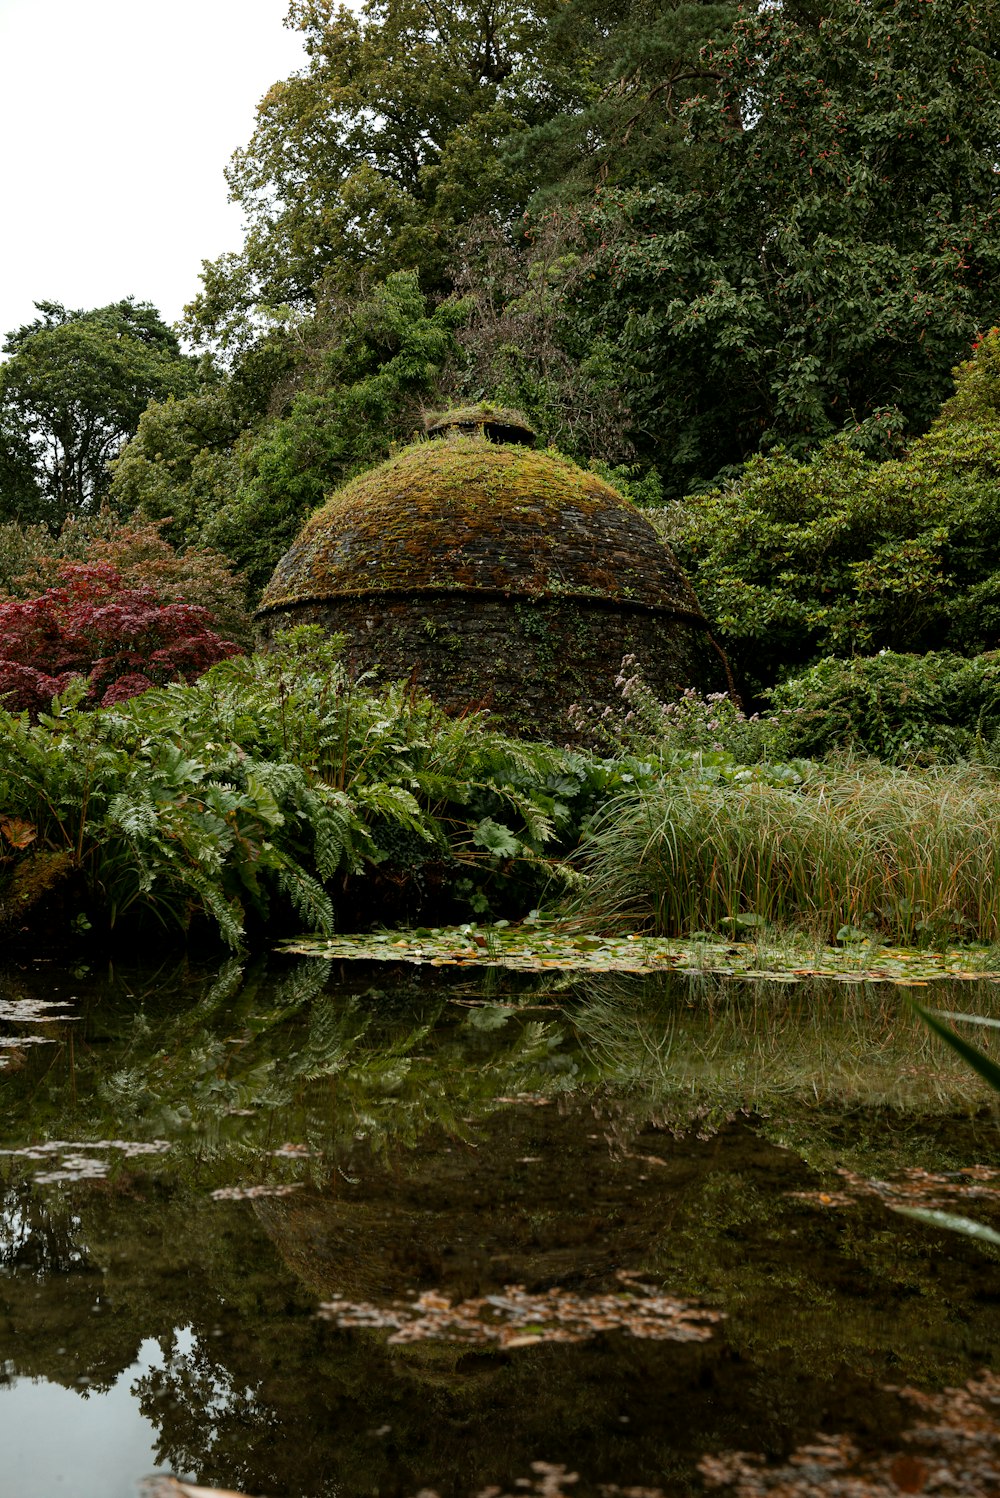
(38, 1237)
(420, 1172)
(190, 1398)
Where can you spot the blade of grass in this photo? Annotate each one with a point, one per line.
(978, 1060)
(969, 1019)
(950, 1220)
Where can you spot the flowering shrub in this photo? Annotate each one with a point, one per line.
(121, 640)
(712, 724)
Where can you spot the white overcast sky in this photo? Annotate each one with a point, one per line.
(117, 118)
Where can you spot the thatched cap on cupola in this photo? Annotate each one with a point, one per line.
(471, 516)
(495, 423)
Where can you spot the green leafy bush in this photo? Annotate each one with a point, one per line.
(243, 483)
(899, 708)
(275, 786)
(840, 555)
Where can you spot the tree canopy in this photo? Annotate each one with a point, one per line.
(366, 366)
(687, 237)
(71, 393)
(412, 118)
(827, 246)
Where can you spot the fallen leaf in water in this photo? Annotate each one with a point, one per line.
(76, 1161)
(251, 1193)
(517, 1318)
(925, 1189)
(566, 949)
(954, 1452)
(33, 1011)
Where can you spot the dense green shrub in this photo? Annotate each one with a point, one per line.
(841, 555)
(183, 462)
(899, 708)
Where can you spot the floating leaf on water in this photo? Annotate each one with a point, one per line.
(128, 1147)
(75, 1160)
(519, 948)
(916, 1192)
(73, 1168)
(517, 1317)
(954, 1452)
(251, 1193)
(34, 1011)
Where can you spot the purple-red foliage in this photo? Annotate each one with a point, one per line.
(122, 639)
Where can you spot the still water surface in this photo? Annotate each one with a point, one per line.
(302, 1231)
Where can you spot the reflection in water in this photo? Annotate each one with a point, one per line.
(77, 1441)
(953, 1452)
(496, 1151)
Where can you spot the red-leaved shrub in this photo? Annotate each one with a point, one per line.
(122, 639)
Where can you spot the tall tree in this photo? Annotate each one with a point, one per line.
(414, 117)
(364, 161)
(366, 367)
(826, 247)
(626, 71)
(71, 393)
(18, 490)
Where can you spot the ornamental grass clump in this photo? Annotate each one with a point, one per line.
(908, 856)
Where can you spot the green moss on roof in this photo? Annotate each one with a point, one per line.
(468, 515)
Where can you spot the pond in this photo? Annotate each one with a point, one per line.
(312, 1228)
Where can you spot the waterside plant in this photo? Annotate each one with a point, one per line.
(908, 854)
(267, 788)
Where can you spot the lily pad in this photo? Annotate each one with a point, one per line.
(534, 949)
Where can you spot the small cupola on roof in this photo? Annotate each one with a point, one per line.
(497, 576)
(495, 423)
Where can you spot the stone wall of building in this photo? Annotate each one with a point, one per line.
(526, 660)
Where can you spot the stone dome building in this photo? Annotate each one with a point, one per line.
(496, 576)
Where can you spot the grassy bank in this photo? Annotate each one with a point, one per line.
(276, 794)
(910, 855)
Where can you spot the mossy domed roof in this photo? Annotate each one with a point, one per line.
(467, 515)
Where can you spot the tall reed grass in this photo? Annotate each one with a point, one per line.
(913, 856)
